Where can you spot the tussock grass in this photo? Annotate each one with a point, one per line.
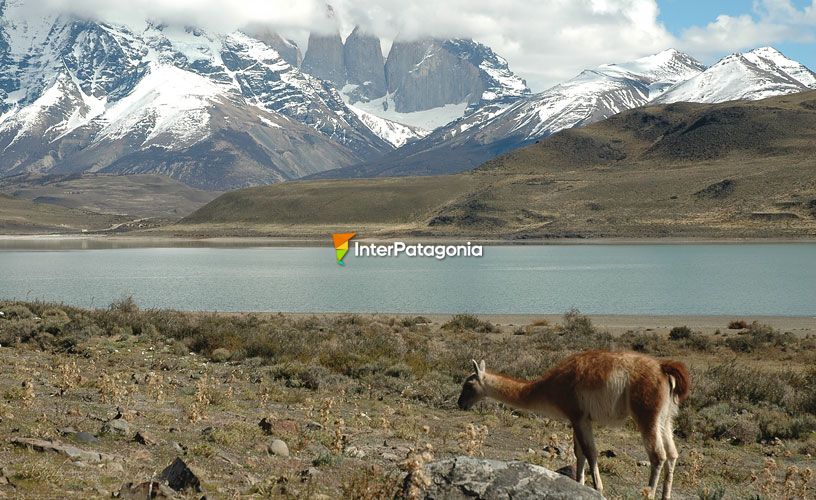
(383, 376)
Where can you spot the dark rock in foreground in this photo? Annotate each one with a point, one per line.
(467, 477)
(179, 477)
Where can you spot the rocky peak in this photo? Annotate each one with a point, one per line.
(288, 49)
(365, 66)
(430, 73)
(324, 57)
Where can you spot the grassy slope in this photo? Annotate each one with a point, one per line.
(377, 384)
(26, 217)
(133, 195)
(634, 175)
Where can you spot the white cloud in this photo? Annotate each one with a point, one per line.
(771, 22)
(546, 41)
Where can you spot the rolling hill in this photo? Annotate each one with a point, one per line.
(736, 169)
(19, 216)
(133, 195)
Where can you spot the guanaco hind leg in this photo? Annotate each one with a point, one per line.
(580, 458)
(583, 431)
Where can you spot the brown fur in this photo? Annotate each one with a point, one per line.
(598, 387)
(681, 376)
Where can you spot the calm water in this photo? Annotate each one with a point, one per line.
(598, 279)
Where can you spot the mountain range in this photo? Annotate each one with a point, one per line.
(221, 111)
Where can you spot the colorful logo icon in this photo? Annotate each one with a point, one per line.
(341, 245)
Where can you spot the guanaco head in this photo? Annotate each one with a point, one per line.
(473, 389)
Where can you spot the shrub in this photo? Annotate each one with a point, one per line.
(778, 424)
(415, 320)
(469, 322)
(680, 333)
(577, 323)
(18, 311)
(738, 325)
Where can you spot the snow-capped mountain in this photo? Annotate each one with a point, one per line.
(78, 95)
(430, 83)
(593, 95)
(490, 130)
(760, 73)
(423, 83)
(589, 97)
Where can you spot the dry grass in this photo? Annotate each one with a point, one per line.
(361, 400)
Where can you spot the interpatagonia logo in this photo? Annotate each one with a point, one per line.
(341, 245)
(400, 248)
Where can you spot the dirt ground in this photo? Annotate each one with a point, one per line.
(353, 397)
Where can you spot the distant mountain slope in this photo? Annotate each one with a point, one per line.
(79, 95)
(735, 169)
(760, 73)
(423, 83)
(669, 76)
(591, 96)
(19, 216)
(136, 196)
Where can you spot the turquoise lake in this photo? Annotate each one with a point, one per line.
(688, 279)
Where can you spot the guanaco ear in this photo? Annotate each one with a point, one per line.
(482, 368)
(479, 369)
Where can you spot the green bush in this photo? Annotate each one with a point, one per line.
(577, 323)
(469, 322)
(680, 333)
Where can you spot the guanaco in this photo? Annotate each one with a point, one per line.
(600, 387)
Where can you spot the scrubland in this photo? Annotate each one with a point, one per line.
(359, 400)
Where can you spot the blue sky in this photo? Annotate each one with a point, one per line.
(679, 15)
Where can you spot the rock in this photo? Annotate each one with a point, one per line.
(567, 470)
(179, 448)
(307, 474)
(179, 477)
(365, 65)
(287, 426)
(608, 454)
(643, 463)
(278, 448)
(116, 426)
(141, 491)
(144, 438)
(79, 437)
(287, 49)
(72, 452)
(314, 426)
(391, 457)
(115, 467)
(555, 451)
(324, 56)
(468, 477)
(84, 437)
(267, 425)
(354, 452)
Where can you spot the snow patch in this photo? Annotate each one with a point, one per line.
(391, 132)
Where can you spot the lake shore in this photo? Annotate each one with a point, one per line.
(96, 241)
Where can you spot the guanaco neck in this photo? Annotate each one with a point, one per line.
(524, 395)
(510, 391)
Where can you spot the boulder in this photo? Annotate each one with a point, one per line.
(144, 438)
(140, 491)
(469, 477)
(71, 452)
(179, 477)
(278, 448)
(116, 426)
